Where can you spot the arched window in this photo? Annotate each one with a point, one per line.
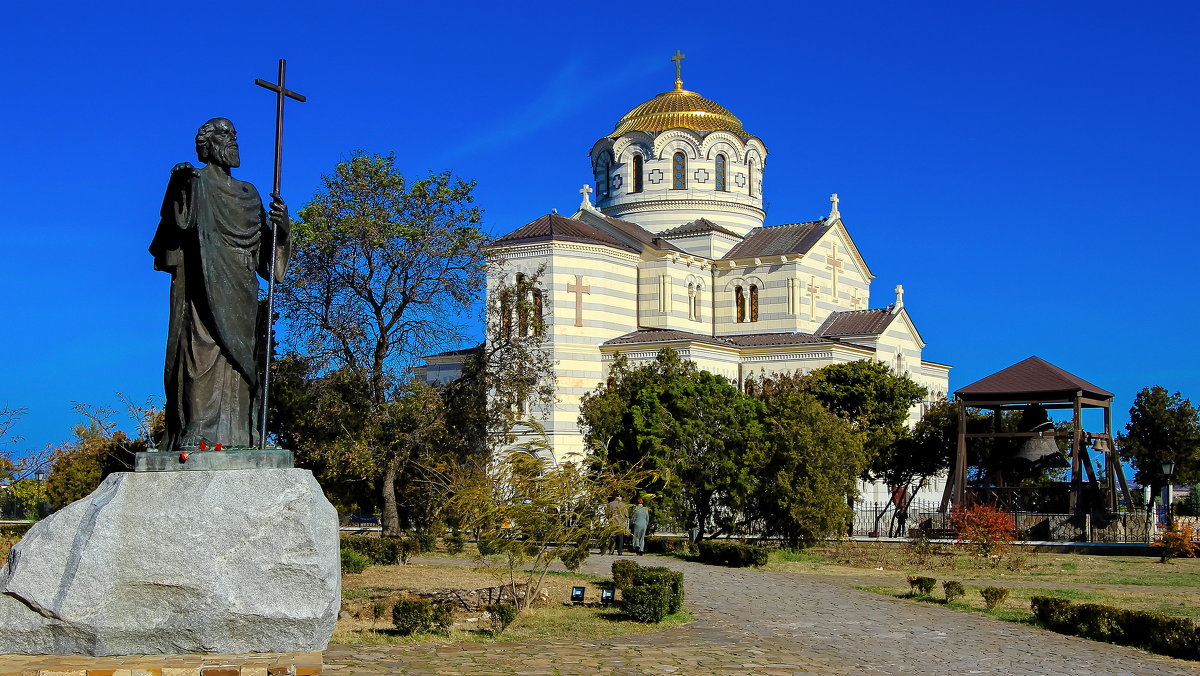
(691, 301)
(721, 173)
(739, 300)
(750, 177)
(604, 180)
(637, 173)
(539, 319)
(522, 306)
(753, 303)
(679, 172)
(696, 302)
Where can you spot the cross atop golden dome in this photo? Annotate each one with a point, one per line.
(679, 108)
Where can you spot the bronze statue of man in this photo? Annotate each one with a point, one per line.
(215, 240)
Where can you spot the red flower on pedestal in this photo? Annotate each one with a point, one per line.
(183, 455)
(203, 446)
(217, 447)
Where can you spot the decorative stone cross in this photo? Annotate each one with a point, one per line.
(855, 300)
(899, 296)
(579, 289)
(834, 264)
(678, 59)
(834, 214)
(813, 290)
(586, 191)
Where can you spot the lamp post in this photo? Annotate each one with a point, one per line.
(1168, 468)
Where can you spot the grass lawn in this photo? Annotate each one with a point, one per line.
(552, 620)
(1131, 582)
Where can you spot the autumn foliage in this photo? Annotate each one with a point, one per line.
(984, 530)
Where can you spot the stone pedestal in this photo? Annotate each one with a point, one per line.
(234, 561)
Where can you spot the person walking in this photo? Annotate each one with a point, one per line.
(617, 512)
(639, 521)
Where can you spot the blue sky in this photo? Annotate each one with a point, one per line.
(1026, 170)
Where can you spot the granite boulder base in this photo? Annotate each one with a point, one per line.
(229, 561)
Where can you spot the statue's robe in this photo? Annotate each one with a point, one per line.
(214, 238)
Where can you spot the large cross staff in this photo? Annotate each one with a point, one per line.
(280, 91)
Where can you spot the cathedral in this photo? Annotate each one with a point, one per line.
(674, 253)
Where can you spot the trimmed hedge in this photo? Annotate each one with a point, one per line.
(353, 562)
(1175, 636)
(15, 530)
(648, 603)
(657, 544)
(993, 596)
(426, 542)
(733, 554)
(382, 551)
(652, 575)
(953, 589)
(923, 585)
(622, 573)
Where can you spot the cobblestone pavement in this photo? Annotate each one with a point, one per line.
(756, 622)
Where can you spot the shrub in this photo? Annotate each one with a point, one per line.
(648, 603)
(412, 615)
(924, 585)
(573, 557)
(503, 615)
(993, 596)
(425, 542)
(984, 530)
(622, 572)
(455, 544)
(1053, 613)
(379, 551)
(406, 548)
(1176, 543)
(953, 589)
(487, 547)
(353, 562)
(442, 615)
(657, 544)
(733, 554)
(660, 575)
(15, 530)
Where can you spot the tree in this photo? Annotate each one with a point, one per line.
(808, 467)
(693, 429)
(384, 269)
(872, 399)
(1161, 426)
(99, 449)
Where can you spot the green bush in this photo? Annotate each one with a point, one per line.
(658, 575)
(379, 551)
(503, 615)
(455, 544)
(425, 542)
(953, 589)
(1163, 634)
(734, 554)
(924, 585)
(657, 544)
(648, 603)
(442, 615)
(15, 530)
(487, 547)
(353, 562)
(622, 573)
(993, 596)
(412, 616)
(573, 557)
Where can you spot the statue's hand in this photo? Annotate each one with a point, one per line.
(279, 214)
(182, 166)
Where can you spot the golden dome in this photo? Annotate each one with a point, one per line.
(679, 108)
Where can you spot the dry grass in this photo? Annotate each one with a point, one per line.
(553, 620)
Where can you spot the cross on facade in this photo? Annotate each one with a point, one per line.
(813, 290)
(678, 58)
(579, 289)
(586, 191)
(854, 299)
(835, 264)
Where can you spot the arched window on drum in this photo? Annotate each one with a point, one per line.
(679, 172)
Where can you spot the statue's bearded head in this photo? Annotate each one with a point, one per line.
(216, 143)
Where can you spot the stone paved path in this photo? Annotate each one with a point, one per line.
(755, 622)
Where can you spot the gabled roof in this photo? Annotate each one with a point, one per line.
(775, 240)
(1033, 378)
(857, 322)
(700, 226)
(631, 234)
(664, 336)
(553, 227)
(771, 339)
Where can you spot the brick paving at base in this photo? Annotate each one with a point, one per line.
(755, 622)
(257, 664)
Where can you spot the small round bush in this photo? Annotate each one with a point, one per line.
(925, 585)
(573, 557)
(953, 589)
(647, 603)
(993, 596)
(412, 616)
(353, 562)
(455, 544)
(503, 615)
(442, 615)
